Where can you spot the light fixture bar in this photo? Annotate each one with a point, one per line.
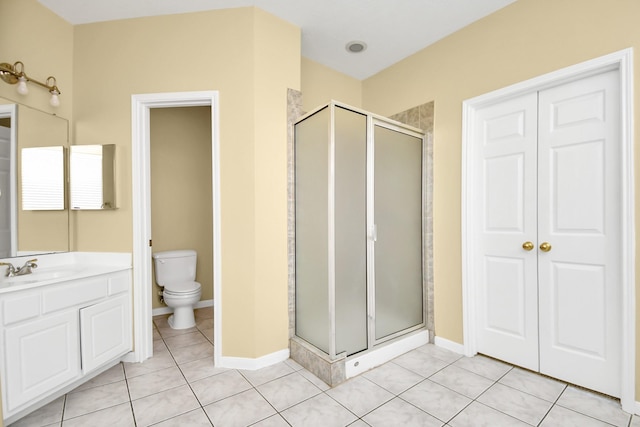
(14, 74)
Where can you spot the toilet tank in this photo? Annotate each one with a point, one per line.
(175, 266)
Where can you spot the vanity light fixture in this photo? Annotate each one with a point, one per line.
(13, 74)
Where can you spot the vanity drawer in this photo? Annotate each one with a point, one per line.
(23, 307)
(74, 293)
(119, 283)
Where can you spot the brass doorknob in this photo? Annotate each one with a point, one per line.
(527, 246)
(545, 247)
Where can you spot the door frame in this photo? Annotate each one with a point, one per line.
(11, 111)
(622, 61)
(141, 106)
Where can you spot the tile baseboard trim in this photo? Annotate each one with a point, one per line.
(254, 364)
(449, 345)
(637, 408)
(168, 310)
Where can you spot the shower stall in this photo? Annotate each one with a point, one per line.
(359, 240)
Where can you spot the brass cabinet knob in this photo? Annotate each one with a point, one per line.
(545, 247)
(527, 246)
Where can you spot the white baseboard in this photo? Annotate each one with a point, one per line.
(449, 345)
(168, 310)
(637, 409)
(254, 364)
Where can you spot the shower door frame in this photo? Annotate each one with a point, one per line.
(372, 120)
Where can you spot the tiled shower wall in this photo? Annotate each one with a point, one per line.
(420, 117)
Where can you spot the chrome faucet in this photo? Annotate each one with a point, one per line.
(27, 268)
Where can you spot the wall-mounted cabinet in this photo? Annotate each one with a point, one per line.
(92, 177)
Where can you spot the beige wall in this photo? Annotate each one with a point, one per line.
(43, 41)
(251, 58)
(181, 196)
(521, 41)
(321, 84)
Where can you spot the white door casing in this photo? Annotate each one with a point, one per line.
(557, 347)
(140, 156)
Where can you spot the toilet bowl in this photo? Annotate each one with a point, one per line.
(175, 272)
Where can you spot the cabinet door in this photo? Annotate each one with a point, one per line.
(40, 356)
(105, 331)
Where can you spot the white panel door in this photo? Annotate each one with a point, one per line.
(40, 356)
(507, 279)
(579, 216)
(105, 331)
(5, 189)
(550, 176)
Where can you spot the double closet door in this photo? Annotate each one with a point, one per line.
(549, 232)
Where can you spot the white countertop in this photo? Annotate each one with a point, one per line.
(61, 267)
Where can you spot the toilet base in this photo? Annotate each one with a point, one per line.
(182, 318)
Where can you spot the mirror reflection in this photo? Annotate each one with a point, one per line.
(42, 178)
(92, 176)
(27, 232)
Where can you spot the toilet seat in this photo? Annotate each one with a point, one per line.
(182, 288)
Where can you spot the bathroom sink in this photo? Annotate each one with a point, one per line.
(39, 276)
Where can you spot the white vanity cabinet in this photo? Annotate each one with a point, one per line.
(56, 335)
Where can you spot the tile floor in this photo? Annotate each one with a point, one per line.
(426, 387)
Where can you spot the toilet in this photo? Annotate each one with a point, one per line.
(176, 274)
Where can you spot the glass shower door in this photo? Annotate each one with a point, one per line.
(397, 215)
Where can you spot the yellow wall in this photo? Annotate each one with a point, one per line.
(43, 41)
(251, 58)
(181, 196)
(321, 84)
(521, 41)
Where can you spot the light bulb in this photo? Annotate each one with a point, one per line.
(22, 86)
(54, 101)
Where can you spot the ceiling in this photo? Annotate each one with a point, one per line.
(391, 29)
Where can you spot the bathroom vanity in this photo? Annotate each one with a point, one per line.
(61, 325)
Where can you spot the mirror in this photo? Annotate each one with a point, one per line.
(92, 177)
(28, 232)
(42, 178)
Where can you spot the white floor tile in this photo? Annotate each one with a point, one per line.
(199, 369)
(359, 395)
(462, 381)
(115, 416)
(398, 413)
(594, 405)
(287, 391)
(270, 373)
(164, 405)
(195, 418)
(155, 382)
(420, 363)
(436, 400)
(218, 387)
(319, 411)
(516, 403)
(532, 383)
(393, 378)
(96, 398)
(48, 414)
(484, 366)
(479, 415)
(562, 417)
(240, 410)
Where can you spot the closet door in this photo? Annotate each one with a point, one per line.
(548, 250)
(579, 217)
(397, 214)
(505, 251)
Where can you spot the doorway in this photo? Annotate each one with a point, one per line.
(141, 195)
(518, 302)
